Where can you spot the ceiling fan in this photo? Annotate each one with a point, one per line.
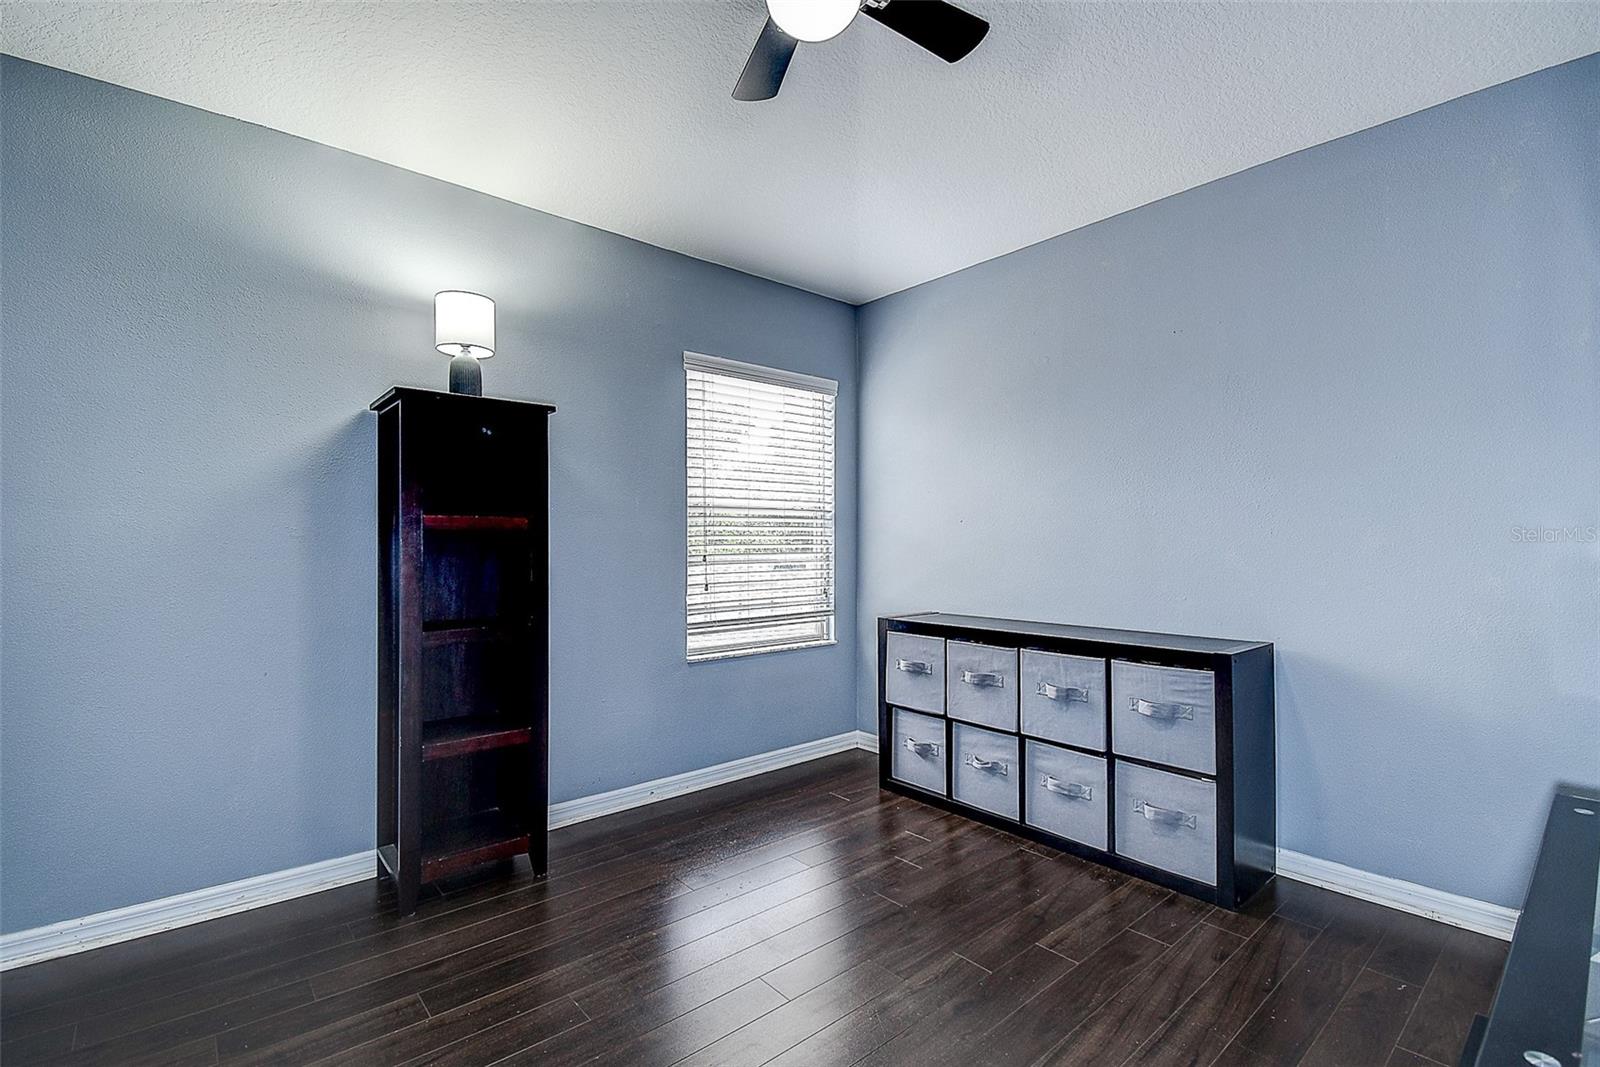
(943, 29)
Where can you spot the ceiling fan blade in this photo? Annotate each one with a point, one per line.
(763, 71)
(943, 29)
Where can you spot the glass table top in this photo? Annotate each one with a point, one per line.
(1547, 1010)
(1591, 1003)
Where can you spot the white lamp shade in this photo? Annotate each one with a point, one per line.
(463, 324)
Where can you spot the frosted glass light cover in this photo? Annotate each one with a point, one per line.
(813, 20)
(463, 324)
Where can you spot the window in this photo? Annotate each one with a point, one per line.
(760, 465)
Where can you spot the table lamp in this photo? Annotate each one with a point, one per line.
(463, 329)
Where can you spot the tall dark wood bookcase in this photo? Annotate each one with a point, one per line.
(463, 634)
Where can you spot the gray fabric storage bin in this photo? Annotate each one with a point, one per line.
(984, 765)
(1064, 698)
(1067, 793)
(913, 672)
(1164, 715)
(919, 756)
(1167, 820)
(981, 684)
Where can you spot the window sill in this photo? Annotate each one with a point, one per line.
(712, 657)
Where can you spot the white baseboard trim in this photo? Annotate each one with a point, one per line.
(185, 909)
(633, 796)
(1464, 912)
(1469, 914)
(139, 920)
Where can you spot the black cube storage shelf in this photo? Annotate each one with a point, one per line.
(1153, 754)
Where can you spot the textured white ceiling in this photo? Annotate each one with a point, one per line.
(876, 168)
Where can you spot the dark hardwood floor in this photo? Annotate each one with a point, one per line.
(801, 918)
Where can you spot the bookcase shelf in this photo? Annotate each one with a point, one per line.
(479, 523)
(466, 734)
(457, 631)
(463, 560)
(481, 837)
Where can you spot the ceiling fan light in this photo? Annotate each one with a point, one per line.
(812, 20)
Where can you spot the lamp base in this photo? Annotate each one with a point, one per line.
(466, 376)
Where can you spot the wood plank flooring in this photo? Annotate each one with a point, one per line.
(802, 919)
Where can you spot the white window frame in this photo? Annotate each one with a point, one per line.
(717, 365)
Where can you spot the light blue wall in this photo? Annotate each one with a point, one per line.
(1308, 403)
(195, 313)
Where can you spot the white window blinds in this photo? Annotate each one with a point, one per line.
(760, 464)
